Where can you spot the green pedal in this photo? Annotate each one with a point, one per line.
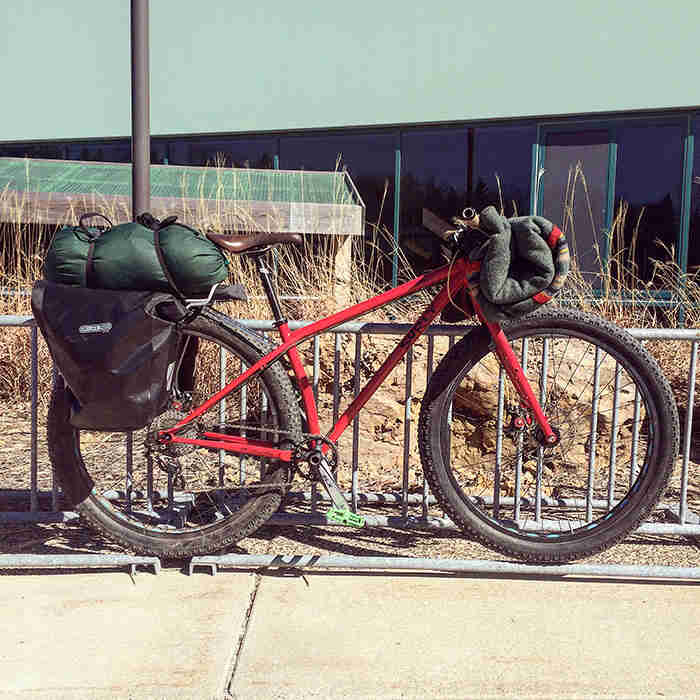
(345, 517)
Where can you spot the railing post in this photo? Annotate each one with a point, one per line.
(34, 468)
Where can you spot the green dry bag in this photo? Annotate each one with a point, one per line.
(167, 257)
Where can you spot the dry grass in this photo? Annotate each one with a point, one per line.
(306, 276)
(615, 290)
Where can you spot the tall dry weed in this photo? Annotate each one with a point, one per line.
(308, 281)
(306, 275)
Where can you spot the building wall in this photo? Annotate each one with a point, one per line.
(220, 66)
(442, 106)
(581, 172)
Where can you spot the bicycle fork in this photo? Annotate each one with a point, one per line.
(513, 369)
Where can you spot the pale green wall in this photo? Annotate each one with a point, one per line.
(220, 65)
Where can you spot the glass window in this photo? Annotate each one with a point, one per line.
(574, 192)
(649, 180)
(228, 152)
(433, 177)
(368, 156)
(501, 168)
(105, 151)
(694, 233)
(51, 150)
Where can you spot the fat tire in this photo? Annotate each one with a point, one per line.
(469, 351)
(77, 484)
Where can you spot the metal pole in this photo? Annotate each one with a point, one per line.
(140, 107)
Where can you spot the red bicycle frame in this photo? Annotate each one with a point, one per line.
(455, 276)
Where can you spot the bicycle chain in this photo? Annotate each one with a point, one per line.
(298, 449)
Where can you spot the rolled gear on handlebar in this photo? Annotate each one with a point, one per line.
(524, 263)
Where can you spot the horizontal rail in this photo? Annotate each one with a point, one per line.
(374, 328)
(684, 522)
(312, 562)
(77, 561)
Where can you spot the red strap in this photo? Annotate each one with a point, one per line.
(554, 237)
(541, 297)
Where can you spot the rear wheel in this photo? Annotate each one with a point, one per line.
(483, 455)
(183, 500)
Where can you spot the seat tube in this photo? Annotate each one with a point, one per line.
(282, 324)
(307, 393)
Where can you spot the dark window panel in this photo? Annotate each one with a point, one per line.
(50, 150)
(434, 177)
(433, 173)
(574, 191)
(368, 156)
(649, 179)
(178, 152)
(503, 153)
(233, 153)
(694, 233)
(106, 151)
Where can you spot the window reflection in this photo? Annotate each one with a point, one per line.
(368, 156)
(52, 150)
(574, 193)
(649, 179)
(503, 158)
(228, 153)
(104, 151)
(433, 177)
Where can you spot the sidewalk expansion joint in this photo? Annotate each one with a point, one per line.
(242, 638)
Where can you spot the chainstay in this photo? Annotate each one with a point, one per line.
(276, 431)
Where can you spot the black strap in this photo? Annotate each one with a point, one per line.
(90, 215)
(90, 262)
(161, 260)
(147, 219)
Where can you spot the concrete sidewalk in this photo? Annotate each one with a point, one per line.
(344, 635)
(99, 635)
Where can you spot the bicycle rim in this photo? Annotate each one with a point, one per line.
(182, 498)
(613, 414)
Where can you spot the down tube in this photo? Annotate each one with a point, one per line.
(456, 275)
(415, 332)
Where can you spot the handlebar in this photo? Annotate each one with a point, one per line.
(470, 217)
(468, 233)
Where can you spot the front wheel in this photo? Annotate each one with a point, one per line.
(181, 500)
(483, 455)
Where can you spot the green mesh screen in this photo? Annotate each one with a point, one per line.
(28, 175)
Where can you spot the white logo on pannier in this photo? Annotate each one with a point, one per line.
(96, 328)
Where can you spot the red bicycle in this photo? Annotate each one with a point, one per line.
(548, 439)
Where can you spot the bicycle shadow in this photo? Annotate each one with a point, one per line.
(369, 541)
(54, 538)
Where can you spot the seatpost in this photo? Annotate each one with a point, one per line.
(269, 288)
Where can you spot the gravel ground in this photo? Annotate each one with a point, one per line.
(74, 537)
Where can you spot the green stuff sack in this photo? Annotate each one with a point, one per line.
(174, 258)
(66, 258)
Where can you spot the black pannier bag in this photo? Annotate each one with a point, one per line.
(117, 351)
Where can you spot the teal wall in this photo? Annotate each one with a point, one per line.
(218, 65)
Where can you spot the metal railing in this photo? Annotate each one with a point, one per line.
(684, 522)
